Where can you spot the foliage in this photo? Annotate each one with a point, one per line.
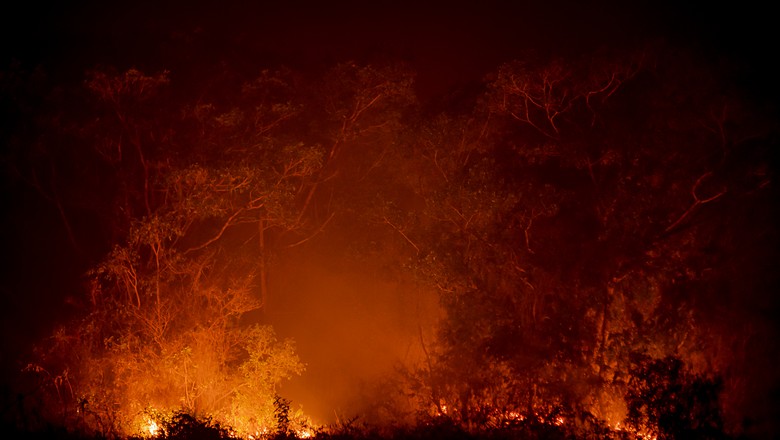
(566, 234)
(183, 426)
(162, 324)
(590, 226)
(663, 396)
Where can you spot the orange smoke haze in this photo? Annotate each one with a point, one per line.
(350, 326)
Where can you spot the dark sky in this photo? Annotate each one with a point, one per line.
(453, 40)
(448, 43)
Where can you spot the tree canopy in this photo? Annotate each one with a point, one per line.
(600, 232)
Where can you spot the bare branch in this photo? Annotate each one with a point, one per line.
(318, 231)
(696, 201)
(227, 224)
(402, 234)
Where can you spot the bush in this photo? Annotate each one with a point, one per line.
(183, 426)
(676, 404)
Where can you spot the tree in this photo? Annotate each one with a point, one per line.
(359, 112)
(567, 234)
(662, 396)
(163, 331)
(162, 328)
(575, 216)
(162, 325)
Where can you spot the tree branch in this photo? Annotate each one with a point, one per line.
(402, 234)
(227, 224)
(696, 202)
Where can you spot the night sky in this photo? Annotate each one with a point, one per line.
(451, 46)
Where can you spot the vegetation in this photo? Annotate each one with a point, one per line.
(593, 228)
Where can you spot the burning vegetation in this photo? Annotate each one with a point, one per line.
(599, 233)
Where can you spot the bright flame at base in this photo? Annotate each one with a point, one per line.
(302, 433)
(152, 428)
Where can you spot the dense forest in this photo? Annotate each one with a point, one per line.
(599, 232)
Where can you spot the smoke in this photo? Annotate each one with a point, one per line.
(352, 327)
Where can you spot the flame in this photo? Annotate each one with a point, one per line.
(299, 433)
(152, 427)
(639, 433)
(303, 433)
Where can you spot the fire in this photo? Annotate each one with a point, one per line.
(303, 433)
(258, 434)
(640, 433)
(299, 433)
(152, 428)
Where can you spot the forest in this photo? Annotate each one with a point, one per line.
(597, 232)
